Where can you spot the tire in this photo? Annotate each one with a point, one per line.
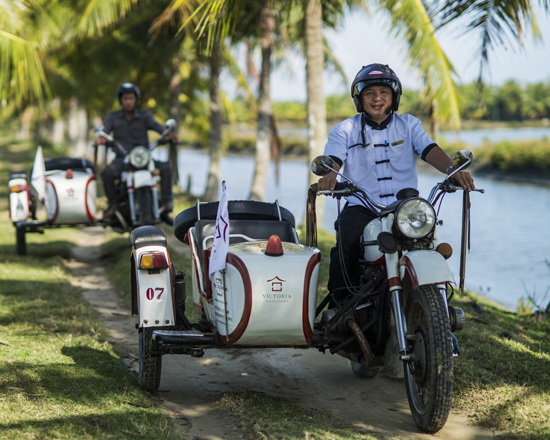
(361, 371)
(429, 378)
(145, 212)
(150, 365)
(21, 244)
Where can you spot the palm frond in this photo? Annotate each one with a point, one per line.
(410, 21)
(332, 62)
(22, 77)
(498, 22)
(236, 72)
(102, 14)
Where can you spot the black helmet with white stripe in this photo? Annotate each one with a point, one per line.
(129, 88)
(376, 75)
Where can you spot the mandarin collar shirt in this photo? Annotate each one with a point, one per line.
(133, 132)
(385, 163)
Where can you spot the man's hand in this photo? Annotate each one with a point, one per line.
(173, 137)
(464, 179)
(100, 140)
(327, 183)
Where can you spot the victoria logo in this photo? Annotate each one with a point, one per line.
(275, 291)
(70, 192)
(276, 284)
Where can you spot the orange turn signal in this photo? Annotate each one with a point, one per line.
(18, 188)
(444, 249)
(153, 261)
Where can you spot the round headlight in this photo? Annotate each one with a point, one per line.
(415, 218)
(139, 157)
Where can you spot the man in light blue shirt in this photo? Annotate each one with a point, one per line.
(378, 148)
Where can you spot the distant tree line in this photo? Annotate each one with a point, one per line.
(509, 102)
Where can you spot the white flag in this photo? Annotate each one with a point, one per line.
(221, 236)
(38, 178)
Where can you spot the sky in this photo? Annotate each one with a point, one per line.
(361, 40)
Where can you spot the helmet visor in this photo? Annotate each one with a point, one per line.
(360, 86)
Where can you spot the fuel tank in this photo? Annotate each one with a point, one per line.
(372, 253)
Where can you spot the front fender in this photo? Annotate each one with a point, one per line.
(152, 290)
(425, 267)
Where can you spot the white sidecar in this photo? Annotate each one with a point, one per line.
(266, 296)
(67, 189)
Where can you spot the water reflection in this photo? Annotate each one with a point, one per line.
(509, 240)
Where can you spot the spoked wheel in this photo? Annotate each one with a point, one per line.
(429, 377)
(145, 211)
(361, 371)
(149, 365)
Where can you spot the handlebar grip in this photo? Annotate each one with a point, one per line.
(342, 185)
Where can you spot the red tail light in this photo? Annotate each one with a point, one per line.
(69, 174)
(153, 261)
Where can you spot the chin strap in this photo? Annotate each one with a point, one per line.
(363, 123)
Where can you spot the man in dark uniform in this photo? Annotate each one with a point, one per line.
(129, 126)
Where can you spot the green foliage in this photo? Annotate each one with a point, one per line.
(515, 156)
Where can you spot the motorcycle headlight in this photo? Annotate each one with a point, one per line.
(139, 157)
(415, 218)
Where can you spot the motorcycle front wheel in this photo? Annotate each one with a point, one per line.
(150, 365)
(429, 376)
(145, 211)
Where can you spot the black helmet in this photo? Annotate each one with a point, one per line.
(129, 88)
(376, 75)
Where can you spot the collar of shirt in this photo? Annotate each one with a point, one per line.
(121, 114)
(375, 125)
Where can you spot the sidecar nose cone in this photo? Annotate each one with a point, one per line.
(274, 247)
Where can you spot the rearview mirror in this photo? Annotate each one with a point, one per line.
(170, 123)
(322, 165)
(462, 158)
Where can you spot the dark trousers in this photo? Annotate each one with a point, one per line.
(114, 170)
(353, 220)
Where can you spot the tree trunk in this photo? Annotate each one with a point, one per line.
(263, 141)
(434, 120)
(175, 113)
(316, 108)
(214, 171)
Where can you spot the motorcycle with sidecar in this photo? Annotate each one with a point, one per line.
(66, 187)
(266, 297)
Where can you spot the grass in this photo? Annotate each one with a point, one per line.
(60, 376)
(501, 381)
(265, 417)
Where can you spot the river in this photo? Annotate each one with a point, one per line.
(509, 240)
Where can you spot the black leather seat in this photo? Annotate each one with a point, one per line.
(147, 236)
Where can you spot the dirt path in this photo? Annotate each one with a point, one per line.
(190, 387)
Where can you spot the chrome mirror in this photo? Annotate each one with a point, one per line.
(170, 123)
(462, 159)
(322, 165)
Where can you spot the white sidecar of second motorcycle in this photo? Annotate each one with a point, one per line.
(266, 297)
(67, 189)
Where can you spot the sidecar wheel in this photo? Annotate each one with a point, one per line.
(21, 244)
(429, 377)
(143, 197)
(150, 365)
(361, 371)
